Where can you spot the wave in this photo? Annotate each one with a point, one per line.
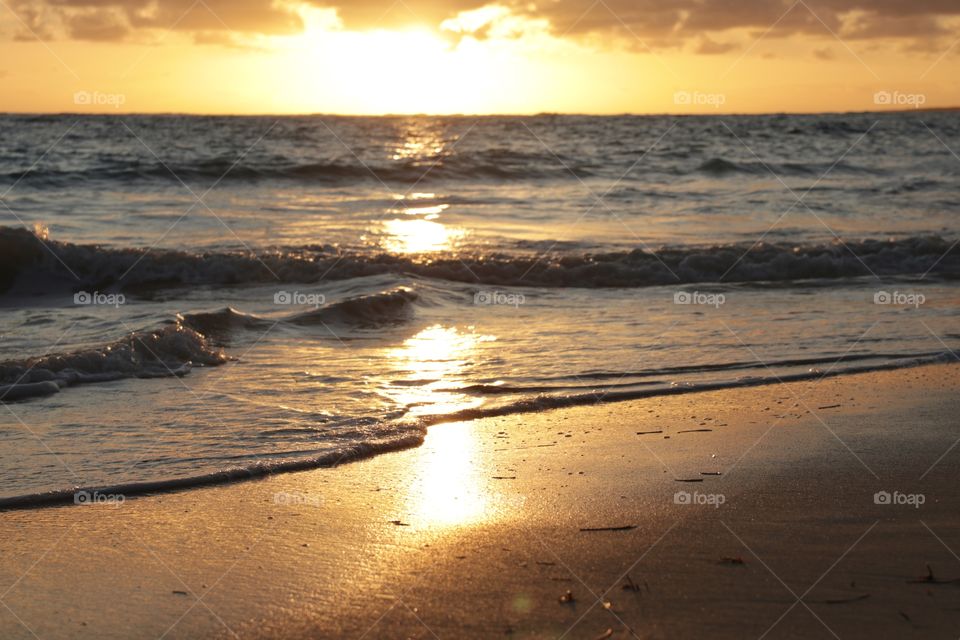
(32, 264)
(170, 351)
(407, 438)
(188, 341)
(376, 310)
(544, 402)
(721, 167)
(411, 435)
(625, 379)
(490, 164)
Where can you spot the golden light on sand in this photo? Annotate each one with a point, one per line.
(448, 490)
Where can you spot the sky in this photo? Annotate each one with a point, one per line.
(475, 57)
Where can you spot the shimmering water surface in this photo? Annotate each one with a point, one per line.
(185, 296)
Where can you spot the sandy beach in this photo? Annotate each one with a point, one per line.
(740, 513)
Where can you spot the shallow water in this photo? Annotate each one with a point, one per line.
(267, 292)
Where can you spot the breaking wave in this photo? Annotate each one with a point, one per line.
(28, 264)
(170, 351)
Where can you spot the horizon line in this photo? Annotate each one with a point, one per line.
(625, 114)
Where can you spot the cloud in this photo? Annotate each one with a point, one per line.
(113, 20)
(709, 47)
(711, 24)
(825, 53)
(97, 25)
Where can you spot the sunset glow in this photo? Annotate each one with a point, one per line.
(488, 59)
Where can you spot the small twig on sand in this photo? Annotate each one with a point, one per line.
(625, 527)
(644, 433)
(630, 585)
(688, 479)
(606, 634)
(858, 598)
(931, 579)
(694, 430)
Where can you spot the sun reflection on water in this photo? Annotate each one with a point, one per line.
(419, 143)
(432, 362)
(419, 236)
(448, 490)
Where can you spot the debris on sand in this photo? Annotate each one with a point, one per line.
(931, 579)
(737, 560)
(567, 598)
(606, 634)
(399, 523)
(688, 479)
(694, 430)
(645, 433)
(625, 527)
(856, 598)
(630, 585)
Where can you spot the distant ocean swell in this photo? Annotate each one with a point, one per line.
(491, 164)
(29, 264)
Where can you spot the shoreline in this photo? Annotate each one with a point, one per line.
(361, 452)
(484, 529)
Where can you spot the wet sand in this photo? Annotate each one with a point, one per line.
(734, 514)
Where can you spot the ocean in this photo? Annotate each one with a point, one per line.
(191, 299)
